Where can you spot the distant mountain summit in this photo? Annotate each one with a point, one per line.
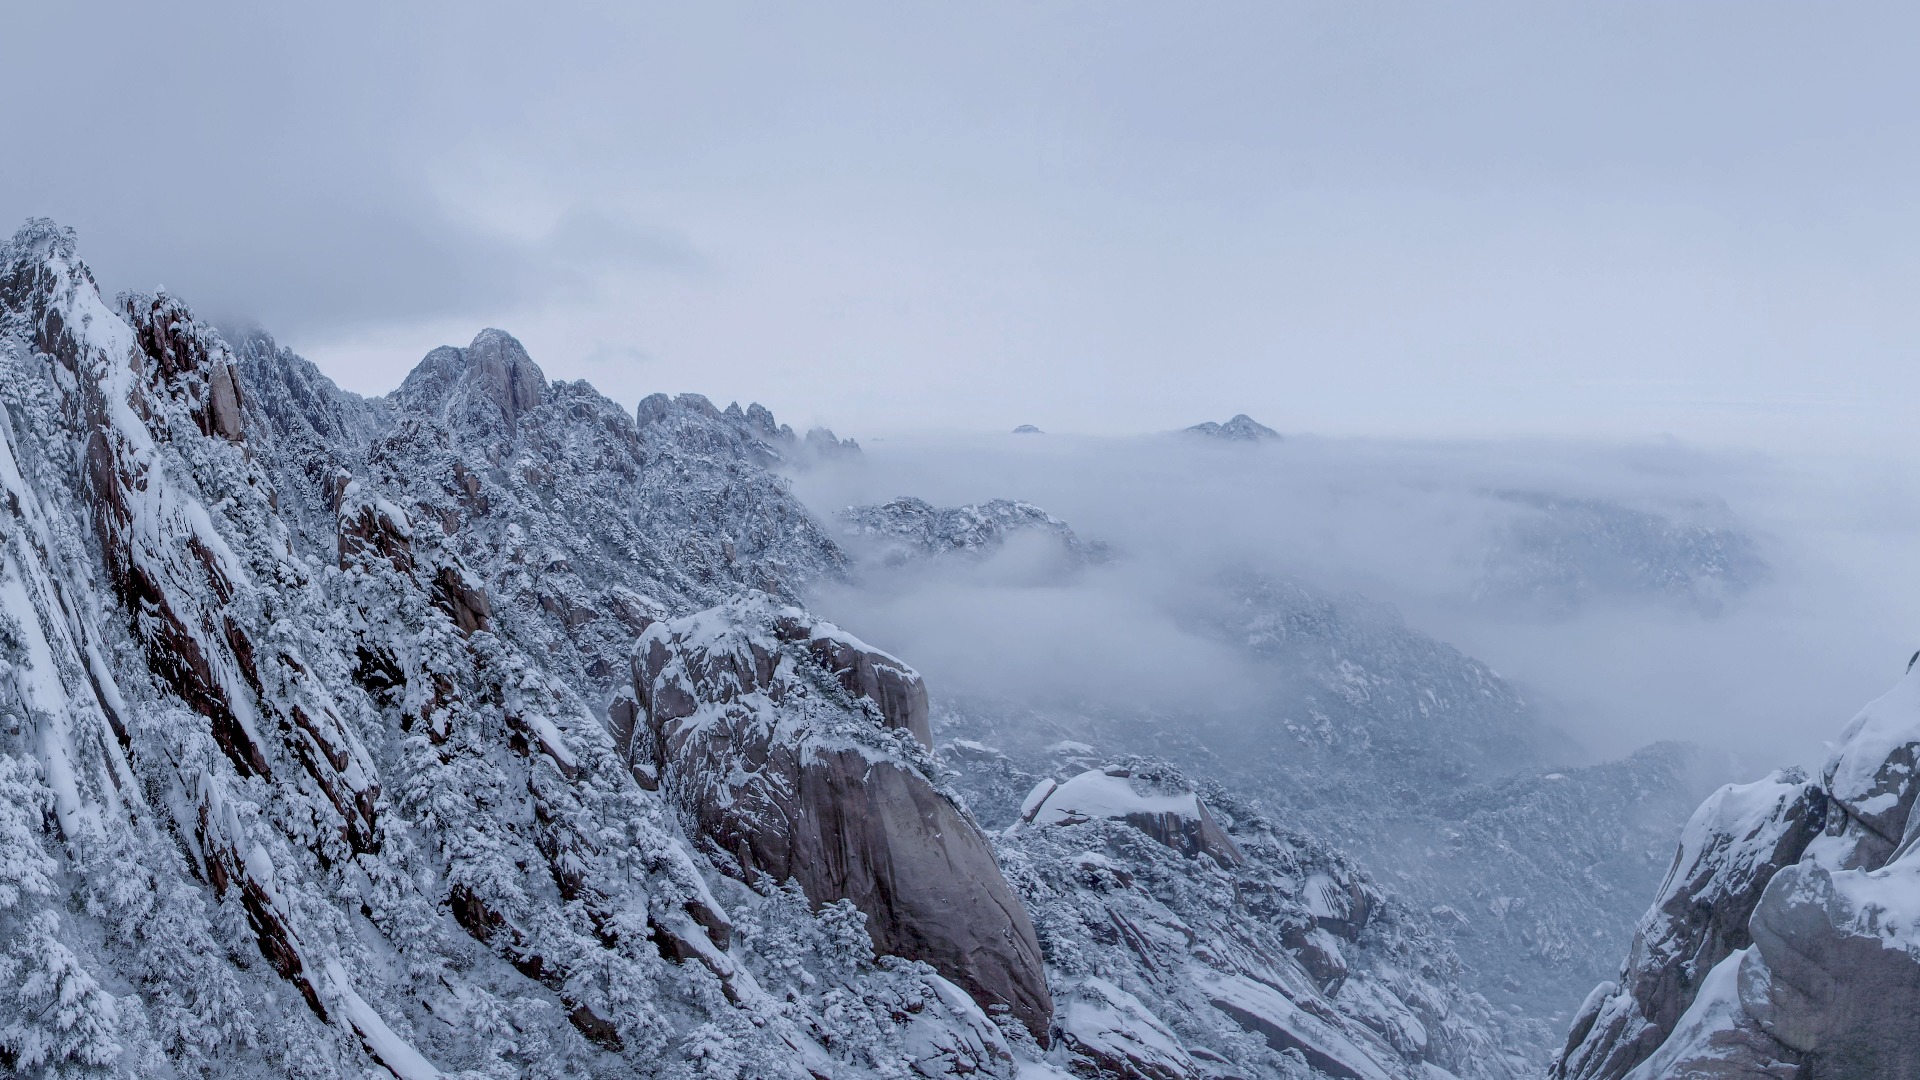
(1242, 428)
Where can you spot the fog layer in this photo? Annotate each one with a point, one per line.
(1634, 592)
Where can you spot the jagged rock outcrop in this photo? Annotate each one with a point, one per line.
(491, 383)
(793, 763)
(1728, 854)
(1787, 941)
(694, 423)
(1242, 428)
(310, 746)
(577, 523)
(1176, 964)
(315, 758)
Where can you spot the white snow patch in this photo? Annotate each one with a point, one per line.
(1031, 804)
(1094, 794)
(1715, 1009)
(1258, 1007)
(400, 1058)
(1113, 1023)
(1884, 726)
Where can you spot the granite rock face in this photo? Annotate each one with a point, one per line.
(334, 739)
(799, 753)
(1737, 841)
(1178, 819)
(1787, 940)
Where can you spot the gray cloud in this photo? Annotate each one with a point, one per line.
(1101, 217)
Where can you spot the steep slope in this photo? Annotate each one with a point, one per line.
(303, 796)
(475, 730)
(581, 522)
(1193, 936)
(1423, 765)
(801, 755)
(1784, 942)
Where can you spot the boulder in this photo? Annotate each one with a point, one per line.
(1179, 820)
(1108, 1032)
(797, 752)
(1842, 957)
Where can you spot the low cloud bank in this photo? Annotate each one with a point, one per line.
(1639, 593)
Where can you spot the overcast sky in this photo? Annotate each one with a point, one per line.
(1626, 219)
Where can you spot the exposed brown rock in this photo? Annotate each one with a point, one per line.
(897, 689)
(372, 528)
(185, 358)
(460, 596)
(771, 769)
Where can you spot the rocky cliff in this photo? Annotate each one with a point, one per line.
(480, 729)
(800, 754)
(305, 762)
(1785, 941)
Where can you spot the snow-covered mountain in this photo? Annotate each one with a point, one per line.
(1242, 428)
(482, 730)
(475, 731)
(1424, 768)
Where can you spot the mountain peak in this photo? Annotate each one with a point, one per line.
(46, 237)
(495, 367)
(1242, 428)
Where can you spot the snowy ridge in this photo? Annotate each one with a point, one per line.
(311, 804)
(907, 529)
(1275, 957)
(1242, 428)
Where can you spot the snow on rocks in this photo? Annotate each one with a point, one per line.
(907, 529)
(1738, 839)
(1787, 939)
(1105, 1029)
(1225, 968)
(313, 793)
(1179, 819)
(770, 740)
(316, 760)
(1343, 1052)
(1871, 776)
